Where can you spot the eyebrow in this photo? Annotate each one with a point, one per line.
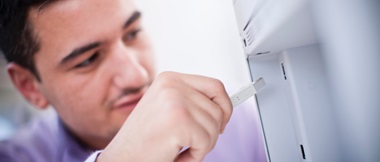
(81, 50)
(135, 16)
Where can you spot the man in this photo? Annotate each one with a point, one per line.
(91, 60)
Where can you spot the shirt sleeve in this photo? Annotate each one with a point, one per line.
(93, 156)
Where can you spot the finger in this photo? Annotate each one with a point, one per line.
(186, 156)
(208, 109)
(207, 119)
(196, 119)
(213, 89)
(199, 148)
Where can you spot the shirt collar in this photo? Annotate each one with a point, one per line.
(70, 149)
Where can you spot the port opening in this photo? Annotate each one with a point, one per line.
(303, 152)
(283, 71)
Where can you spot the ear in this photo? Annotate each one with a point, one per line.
(28, 85)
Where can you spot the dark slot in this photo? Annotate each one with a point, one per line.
(262, 53)
(245, 43)
(283, 70)
(303, 152)
(249, 21)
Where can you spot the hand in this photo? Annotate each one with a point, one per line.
(177, 111)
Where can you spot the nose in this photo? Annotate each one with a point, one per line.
(130, 72)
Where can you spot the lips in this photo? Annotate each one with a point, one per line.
(129, 101)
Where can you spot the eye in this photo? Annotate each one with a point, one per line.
(88, 61)
(130, 36)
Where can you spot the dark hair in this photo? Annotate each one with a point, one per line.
(18, 41)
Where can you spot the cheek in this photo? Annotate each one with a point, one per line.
(147, 57)
(148, 63)
(77, 98)
(80, 106)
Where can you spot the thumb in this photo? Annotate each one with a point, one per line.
(190, 155)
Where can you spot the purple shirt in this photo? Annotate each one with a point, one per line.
(47, 140)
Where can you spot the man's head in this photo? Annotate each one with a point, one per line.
(89, 59)
(17, 39)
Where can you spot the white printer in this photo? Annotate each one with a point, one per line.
(321, 63)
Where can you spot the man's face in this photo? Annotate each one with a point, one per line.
(95, 63)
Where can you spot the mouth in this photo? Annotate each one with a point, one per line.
(128, 102)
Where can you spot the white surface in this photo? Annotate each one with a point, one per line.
(330, 100)
(294, 106)
(350, 32)
(275, 110)
(313, 112)
(273, 25)
(197, 36)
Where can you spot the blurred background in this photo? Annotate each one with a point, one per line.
(196, 36)
(189, 36)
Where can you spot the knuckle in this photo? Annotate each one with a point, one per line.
(167, 80)
(206, 139)
(218, 83)
(228, 110)
(213, 134)
(166, 74)
(212, 146)
(212, 143)
(177, 111)
(217, 86)
(218, 115)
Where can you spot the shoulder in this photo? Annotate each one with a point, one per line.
(36, 141)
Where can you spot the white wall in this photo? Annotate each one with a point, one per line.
(198, 37)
